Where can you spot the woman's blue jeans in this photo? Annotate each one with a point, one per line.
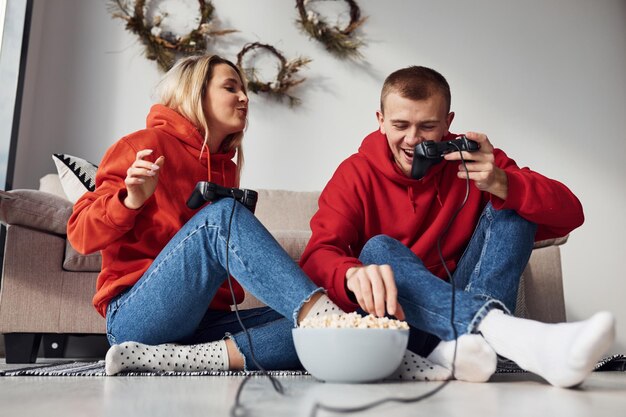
(170, 301)
(486, 277)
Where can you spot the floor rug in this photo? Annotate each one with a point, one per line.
(611, 363)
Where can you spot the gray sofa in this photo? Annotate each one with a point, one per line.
(47, 287)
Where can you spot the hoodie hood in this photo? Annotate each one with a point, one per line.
(168, 120)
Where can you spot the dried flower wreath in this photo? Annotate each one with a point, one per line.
(284, 79)
(166, 47)
(340, 42)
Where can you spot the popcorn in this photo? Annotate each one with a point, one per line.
(352, 320)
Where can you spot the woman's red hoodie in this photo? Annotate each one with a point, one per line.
(368, 195)
(130, 240)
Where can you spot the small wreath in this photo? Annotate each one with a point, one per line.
(165, 47)
(338, 41)
(284, 79)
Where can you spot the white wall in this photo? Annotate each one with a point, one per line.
(545, 79)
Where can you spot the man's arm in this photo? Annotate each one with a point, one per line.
(328, 255)
(541, 200)
(330, 258)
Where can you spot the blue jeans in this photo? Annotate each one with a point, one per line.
(170, 301)
(487, 276)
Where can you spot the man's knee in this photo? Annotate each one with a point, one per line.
(510, 218)
(377, 249)
(383, 250)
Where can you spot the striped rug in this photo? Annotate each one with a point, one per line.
(611, 363)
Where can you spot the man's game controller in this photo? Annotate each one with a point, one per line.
(209, 191)
(429, 153)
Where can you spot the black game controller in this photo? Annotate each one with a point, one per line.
(209, 191)
(429, 153)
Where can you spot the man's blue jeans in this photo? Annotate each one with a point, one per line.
(169, 303)
(487, 276)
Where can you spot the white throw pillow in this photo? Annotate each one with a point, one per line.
(77, 175)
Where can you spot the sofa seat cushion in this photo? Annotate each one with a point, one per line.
(77, 262)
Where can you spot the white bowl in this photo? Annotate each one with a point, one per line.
(349, 354)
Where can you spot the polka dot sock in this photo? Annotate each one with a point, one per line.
(417, 368)
(137, 357)
(323, 307)
(475, 360)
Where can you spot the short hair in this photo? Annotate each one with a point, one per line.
(416, 83)
(183, 89)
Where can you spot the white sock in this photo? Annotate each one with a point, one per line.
(475, 360)
(323, 307)
(564, 354)
(133, 356)
(417, 368)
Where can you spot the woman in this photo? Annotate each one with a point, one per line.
(164, 275)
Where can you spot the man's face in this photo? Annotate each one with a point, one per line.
(408, 122)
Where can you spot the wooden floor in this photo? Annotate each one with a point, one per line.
(602, 394)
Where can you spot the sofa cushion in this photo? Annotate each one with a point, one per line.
(557, 241)
(77, 175)
(77, 262)
(35, 209)
(51, 183)
(286, 210)
(293, 241)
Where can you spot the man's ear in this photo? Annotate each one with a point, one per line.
(449, 120)
(381, 121)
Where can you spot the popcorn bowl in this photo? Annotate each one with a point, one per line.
(350, 355)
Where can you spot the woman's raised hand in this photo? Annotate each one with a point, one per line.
(141, 179)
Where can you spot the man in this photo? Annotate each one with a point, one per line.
(380, 236)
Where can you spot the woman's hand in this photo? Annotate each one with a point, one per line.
(141, 179)
(481, 167)
(374, 287)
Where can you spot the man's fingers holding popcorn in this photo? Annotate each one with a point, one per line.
(374, 288)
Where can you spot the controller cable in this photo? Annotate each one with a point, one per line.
(239, 410)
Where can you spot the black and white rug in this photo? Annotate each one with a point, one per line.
(611, 363)
(97, 369)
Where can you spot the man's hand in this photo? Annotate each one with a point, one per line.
(141, 179)
(374, 287)
(481, 167)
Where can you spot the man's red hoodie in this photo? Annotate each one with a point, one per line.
(130, 240)
(368, 195)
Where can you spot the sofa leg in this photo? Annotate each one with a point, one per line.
(54, 345)
(21, 347)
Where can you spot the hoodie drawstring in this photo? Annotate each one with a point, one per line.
(208, 160)
(438, 194)
(411, 198)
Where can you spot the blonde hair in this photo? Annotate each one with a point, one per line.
(183, 89)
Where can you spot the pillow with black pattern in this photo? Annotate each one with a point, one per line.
(76, 174)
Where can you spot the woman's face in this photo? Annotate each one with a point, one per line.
(225, 104)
